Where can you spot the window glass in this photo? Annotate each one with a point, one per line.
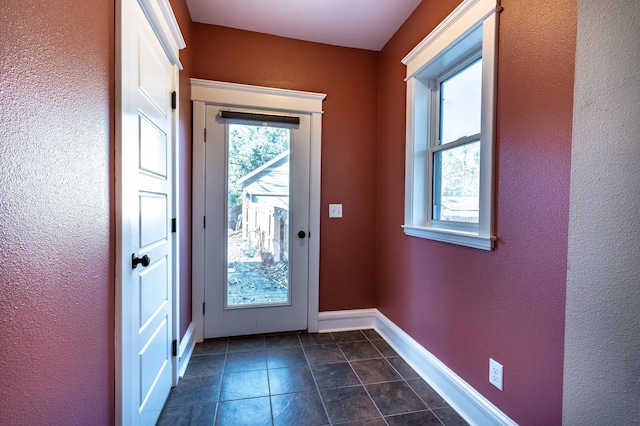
(460, 104)
(456, 183)
(258, 215)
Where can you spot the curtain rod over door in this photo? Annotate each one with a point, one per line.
(263, 118)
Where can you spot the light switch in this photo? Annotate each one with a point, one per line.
(335, 210)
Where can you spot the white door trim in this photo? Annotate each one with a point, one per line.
(205, 92)
(164, 24)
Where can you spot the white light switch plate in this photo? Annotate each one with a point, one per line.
(335, 210)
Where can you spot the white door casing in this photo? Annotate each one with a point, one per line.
(148, 40)
(253, 97)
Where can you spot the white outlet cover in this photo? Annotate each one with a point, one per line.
(335, 210)
(495, 373)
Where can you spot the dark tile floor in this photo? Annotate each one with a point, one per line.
(345, 378)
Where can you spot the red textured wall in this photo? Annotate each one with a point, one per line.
(184, 21)
(56, 216)
(466, 305)
(349, 77)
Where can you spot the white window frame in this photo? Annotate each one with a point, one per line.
(470, 31)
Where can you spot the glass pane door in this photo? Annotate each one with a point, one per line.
(256, 275)
(257, 215)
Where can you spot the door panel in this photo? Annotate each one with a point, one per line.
(154, 67)
(154, 190)
(256, 273)
(153, 361)
(153, 148)
(154, 216)
(154, 290)
(146, 158)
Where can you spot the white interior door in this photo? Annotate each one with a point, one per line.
(145, 169)
(257, 222)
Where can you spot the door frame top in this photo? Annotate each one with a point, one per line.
(204, 92)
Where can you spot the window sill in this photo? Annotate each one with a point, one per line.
(449, 236)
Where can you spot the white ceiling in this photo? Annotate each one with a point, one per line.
(363, 24)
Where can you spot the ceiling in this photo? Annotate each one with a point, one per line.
(363, 24)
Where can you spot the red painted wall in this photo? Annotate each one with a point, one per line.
(184, 21)
(349, 77)
(56, 212)
(466, 305)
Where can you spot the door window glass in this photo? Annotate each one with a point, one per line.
(258, 215)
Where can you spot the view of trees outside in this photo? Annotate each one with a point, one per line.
(250, 147)
(253, 276)
(459, 184)
(457, 178)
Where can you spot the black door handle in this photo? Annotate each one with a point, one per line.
(144, 261)
(301, 234)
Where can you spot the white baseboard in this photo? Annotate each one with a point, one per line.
(356, 319)
(187, 345)
(469, 403)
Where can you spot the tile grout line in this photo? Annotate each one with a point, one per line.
(341, 345)
(407, 383)
(266, 364)
(324, 406)
(365, 388)
(224, 366)
(360, 380)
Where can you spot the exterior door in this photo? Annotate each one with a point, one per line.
(257, 215)
(145, 167)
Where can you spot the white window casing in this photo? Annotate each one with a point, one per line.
(470, 31)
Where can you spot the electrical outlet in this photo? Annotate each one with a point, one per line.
(495, 373)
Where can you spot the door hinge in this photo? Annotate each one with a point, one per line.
(204, 221)
(203, 310)
(174, 100)
(173, 225)
(174, 347)
(205, 135)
